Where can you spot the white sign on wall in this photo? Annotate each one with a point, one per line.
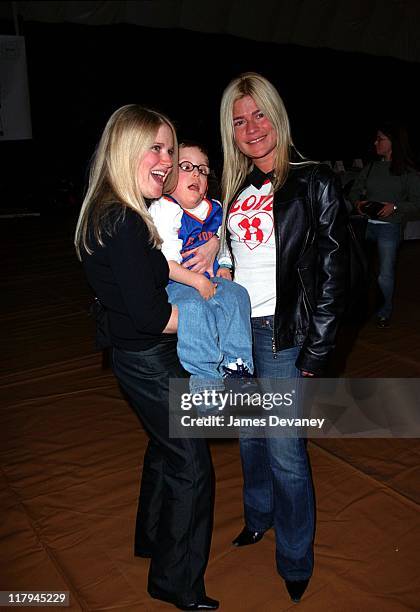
(15, 110)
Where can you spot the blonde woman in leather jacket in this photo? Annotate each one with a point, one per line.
(285, 228)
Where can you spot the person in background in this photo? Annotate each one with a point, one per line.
(394, 182)
(137, 157)
(284, 229)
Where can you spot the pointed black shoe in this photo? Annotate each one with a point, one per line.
(144, 554)
(296, 588)
(247, 537)
(143, 551)
(207, 603)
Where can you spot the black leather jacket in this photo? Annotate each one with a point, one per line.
(310, 219)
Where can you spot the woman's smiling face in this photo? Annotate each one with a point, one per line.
(254, 133)
(156, 164)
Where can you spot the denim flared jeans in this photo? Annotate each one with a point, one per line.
(278, 490)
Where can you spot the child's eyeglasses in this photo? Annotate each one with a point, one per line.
(187, 166)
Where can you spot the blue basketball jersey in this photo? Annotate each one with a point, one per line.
(194, 232)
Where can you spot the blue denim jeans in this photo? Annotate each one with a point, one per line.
(278, 490)
(212, 333)
(387, 237)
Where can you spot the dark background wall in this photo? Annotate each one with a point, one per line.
(78, 75)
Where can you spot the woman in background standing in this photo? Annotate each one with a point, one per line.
(393, 181)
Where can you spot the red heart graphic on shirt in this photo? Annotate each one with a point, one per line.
(248, 228)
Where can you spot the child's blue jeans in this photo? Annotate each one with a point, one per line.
(212, 333)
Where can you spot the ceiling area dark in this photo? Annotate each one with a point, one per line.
(341, 67)
(377, 27)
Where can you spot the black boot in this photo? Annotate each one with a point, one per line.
(247, 537)
(296, 588)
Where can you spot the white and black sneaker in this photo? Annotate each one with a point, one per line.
(242, 379)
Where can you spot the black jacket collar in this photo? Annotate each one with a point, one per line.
(258, 178)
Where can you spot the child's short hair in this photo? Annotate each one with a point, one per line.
(194, 144)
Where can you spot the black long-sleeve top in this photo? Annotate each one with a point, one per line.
(129, 278)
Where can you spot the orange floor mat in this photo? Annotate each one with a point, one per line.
(71, 452)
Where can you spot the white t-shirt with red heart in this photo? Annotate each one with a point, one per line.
(251, 227)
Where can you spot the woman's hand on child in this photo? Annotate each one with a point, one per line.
(203, 257)
(205, 287)
(172, 325)
(224, 273)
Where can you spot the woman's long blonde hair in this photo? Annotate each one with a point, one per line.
(236, 165)
(113, 178)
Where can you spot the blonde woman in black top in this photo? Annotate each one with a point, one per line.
(119, 246)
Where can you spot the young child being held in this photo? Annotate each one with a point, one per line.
(214, 328)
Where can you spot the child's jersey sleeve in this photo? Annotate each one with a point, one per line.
(167, 215)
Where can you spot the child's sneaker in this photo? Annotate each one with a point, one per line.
(239, 372)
